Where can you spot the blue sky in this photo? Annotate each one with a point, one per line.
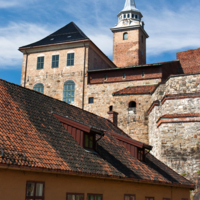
(172, 25)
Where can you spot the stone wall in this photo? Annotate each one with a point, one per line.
(132, 122)
(176, 141)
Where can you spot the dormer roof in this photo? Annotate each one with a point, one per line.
(69, 33)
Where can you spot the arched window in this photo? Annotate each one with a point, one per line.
(68, 91)
(111, 108)
(125, 36)
(39, 87)
(132, 104)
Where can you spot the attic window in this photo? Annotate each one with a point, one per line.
(132, 104)
(89, 141)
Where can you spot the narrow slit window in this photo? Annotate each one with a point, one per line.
(40, 62)
(105, 77)
(70, 59)
(143, 73)
(55, 61)
(111, 108)
(125, 36)
(124, 75)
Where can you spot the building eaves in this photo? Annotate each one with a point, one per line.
(120, 68)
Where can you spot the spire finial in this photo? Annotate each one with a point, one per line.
(129, 5)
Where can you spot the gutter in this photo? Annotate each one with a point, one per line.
(92, 175)
(83, 96)
(26, 68)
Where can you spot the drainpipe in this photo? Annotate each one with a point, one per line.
(25, 68)
(83, 96)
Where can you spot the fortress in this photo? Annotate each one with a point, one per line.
(158, 103)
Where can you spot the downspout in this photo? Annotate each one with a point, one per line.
(83, 96)
(25, 68)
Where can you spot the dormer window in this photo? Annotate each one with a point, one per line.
(89, 141)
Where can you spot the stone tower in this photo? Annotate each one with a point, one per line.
(129, 37)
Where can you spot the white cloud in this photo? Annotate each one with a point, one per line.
(15, 35)
(172, 31)
(6, 4)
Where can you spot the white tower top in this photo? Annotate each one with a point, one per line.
(130, 5)
(129, 17)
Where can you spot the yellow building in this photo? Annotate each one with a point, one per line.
(52, 150)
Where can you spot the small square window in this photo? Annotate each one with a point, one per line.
(40, 62)
(70, 59)
(91, 100)
(35, 190)
(55, 61)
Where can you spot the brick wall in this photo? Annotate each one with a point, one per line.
(130, 52)
(130, 75)
(190, 61)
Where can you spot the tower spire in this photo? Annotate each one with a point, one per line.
(130, 5)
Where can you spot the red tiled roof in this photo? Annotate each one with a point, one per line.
(146, 89)
(32, 137)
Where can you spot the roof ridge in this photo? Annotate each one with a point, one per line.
(79, 30)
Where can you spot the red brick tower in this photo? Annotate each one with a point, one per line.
(129, 37)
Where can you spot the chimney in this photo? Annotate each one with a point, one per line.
(112, 116)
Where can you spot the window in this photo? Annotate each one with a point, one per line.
(91, 100)
(124, 16)
(129, 197)
(89, 141)
(40, 62)
(71, 196)
(124, 75)
(125, 36)
(34, 190)
(69, 91)
(132, 104)
(105, 77)
(111, 108)
(143, 73)
(94, 197)
(136, 16)
(128, 15)
(39, 87)
(132, 15)
(149, 198)
(55, 61)
(70, 59)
